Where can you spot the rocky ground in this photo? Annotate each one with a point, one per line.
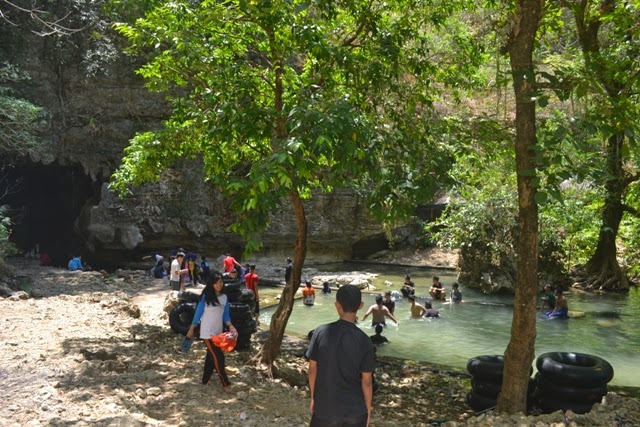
(92, 349)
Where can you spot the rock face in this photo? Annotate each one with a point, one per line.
(91, 120)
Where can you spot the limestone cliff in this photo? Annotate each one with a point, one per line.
(68, 207)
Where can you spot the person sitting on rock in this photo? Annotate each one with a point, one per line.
(378, 339)
(437, 291)
(408, 287)
(75, 264)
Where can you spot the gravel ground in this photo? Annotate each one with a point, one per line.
(91, 349)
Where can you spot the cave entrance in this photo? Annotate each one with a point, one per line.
(44, 202)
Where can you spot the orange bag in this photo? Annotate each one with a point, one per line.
(226, 341)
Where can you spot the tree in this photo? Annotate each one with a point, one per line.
(608, 33)
(284, 98)
(520, 351)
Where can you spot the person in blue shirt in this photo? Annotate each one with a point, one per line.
(213, 314)
(456, 295)
(205, 268)
(75, 264)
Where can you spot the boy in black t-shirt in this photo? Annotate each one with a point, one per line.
(341, 387)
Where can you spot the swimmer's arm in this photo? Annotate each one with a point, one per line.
(367, 313)
(367, 391)
(391, 316)
(313, 370)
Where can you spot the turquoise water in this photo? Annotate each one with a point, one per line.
(481, 324)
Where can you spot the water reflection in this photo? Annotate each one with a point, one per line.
(482, 324)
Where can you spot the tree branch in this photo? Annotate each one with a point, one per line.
(38, 15)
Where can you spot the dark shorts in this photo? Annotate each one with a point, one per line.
(383, 323)
(257, 310)
(356, 421)
(175, 285)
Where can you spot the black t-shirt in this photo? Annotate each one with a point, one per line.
(343, 352)
(378, 339)
(391, 305)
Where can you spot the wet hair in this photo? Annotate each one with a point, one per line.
(455, 285)
(558, 292)
(387, 292)
(378, 299)
(436, 278)
(209, 293)
(349, 297)
(378, 329)
(428, 304)
(308, 282)
(411, 298)
(252, 266)
(407, 277)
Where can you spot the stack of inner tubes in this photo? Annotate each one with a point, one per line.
(182, 314)
(486, 381)
(242, 307)
(571, 381)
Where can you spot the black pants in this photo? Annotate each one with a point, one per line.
(214, 359)
(356, 421)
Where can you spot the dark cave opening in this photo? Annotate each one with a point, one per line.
(44, 202)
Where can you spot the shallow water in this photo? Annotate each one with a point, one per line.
(481, 324)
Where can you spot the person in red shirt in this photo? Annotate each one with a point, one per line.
(230, 263)
(251, 281)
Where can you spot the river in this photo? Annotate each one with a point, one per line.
(481, 324)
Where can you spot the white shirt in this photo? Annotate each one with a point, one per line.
(211, 321)
(175, 268)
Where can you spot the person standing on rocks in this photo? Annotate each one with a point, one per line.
(288, 270)
(213, 314)
(251, 281)
(176, 273)
(341, 364)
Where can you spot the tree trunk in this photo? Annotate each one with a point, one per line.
(281, 316)
(604, 262)
(520, 350)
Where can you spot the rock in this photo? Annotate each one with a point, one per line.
(154, 391)
(19, 295)
(291, 375)
(5, 290)
(98, 355)
(170, 302)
